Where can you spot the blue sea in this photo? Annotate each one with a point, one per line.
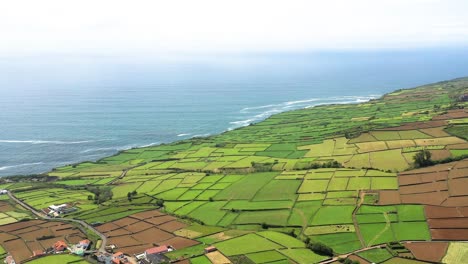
(62, 109)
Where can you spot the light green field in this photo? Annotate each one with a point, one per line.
(457, 252)
(63, 258)
(243, 245)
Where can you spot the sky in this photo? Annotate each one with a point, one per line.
(218, 26)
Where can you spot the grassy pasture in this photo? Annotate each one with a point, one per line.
(243, 245)
(266, 257)
(330, 215)
(376, 255)
(302, 255)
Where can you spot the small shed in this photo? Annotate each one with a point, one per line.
(210, 249)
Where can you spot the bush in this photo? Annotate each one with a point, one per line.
(320, 248)
(423, 158)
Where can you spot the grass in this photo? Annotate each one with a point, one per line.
(340, 242)
(376, 255)
(338, 184)
(359, 183)
(457, 252)
(272, 217)
(278, 190)
(266, 257)
(244, 245)
(247, 187)
(200, 260)
(309, 186)
(302, 212)
(302, 255)
(411, 213)
(328, 229)
(260, 205)
(384, 183)
(187, 252)
(209, 213)
(63, 258)
(329, 215)
(282, 239)
(376, 233)
(214, 179)
(411, 231)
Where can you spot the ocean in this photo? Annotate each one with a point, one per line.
(62, 109)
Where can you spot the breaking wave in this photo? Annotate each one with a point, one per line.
(20, 165)
(258, 113)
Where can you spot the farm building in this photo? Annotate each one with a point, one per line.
(60, 246)
(38, 253)
(119, 258)
(158, 250)
(155, 255)
(210, 249)
(62, 208)
(80, 248)
(9, 260)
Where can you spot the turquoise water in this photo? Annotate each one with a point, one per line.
(57, 110)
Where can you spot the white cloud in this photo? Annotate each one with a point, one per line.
(112, 26)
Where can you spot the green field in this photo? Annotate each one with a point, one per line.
(299, 173)
(65, 259)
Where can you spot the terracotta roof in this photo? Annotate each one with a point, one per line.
(60, 244)
(38, 252)
(85, 242)
(157, 250)
(118, 254)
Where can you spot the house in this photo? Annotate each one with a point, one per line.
(85, 243)
(158, 250)
(38, 253)
(9, 260)
(210, 249)
(62, 208)
(60, 246)
(155, 255)
(104, 258)
(119, 258)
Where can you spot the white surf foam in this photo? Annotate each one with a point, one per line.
(20, 165)
(271, 109)
(58, 142)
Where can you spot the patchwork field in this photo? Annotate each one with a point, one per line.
(22, 238)
(338, 176)
(138, 232)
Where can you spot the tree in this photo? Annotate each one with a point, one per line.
(423, 158)
(320, 248)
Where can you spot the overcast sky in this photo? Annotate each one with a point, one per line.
(201, 26)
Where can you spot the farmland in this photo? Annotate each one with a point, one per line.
(22, 238)
(338, 175)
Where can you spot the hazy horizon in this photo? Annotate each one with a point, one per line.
(212, 27)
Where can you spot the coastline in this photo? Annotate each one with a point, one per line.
(356, 100)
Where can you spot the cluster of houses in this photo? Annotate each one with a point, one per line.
(58, 247)
(154, 255)
(112, 258)
(57, 210)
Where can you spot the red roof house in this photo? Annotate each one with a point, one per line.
(9, 260)
(210, 249)
(157, 250)
(60, 246)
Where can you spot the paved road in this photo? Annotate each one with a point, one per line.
(43, 216)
